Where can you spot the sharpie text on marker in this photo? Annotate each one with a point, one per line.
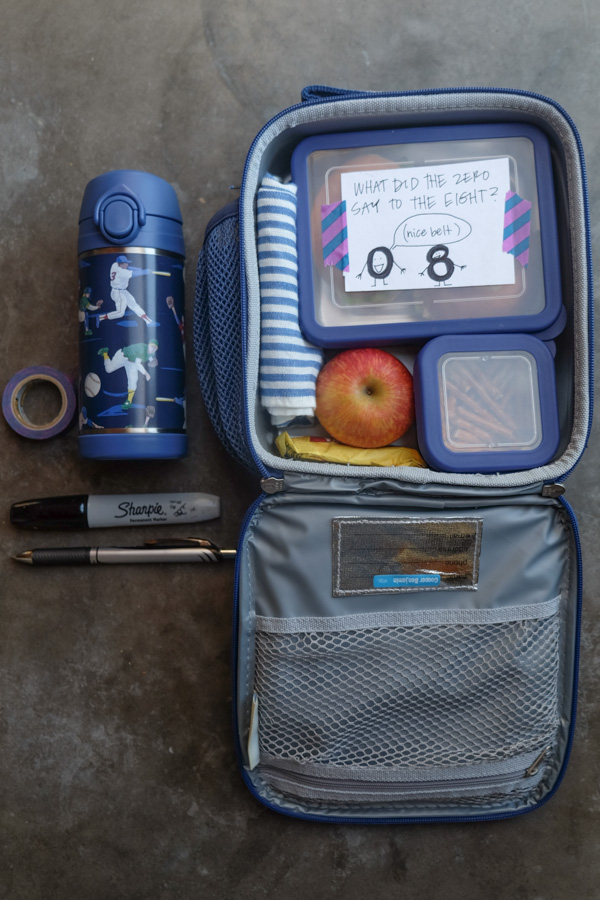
(107, 510)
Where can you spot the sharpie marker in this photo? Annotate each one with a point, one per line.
(108, 510)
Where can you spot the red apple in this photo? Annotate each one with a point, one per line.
(365, 398)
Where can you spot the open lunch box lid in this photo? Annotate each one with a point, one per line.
(409, 233)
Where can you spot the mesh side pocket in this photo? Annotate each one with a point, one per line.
(409, 696)
(218, 334)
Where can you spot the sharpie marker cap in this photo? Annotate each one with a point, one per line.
(51, 513)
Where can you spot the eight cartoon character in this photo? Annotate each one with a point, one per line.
(440, 267)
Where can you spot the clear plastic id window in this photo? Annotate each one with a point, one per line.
(394, 555)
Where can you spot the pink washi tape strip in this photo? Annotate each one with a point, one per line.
(517, 227)
(335, 235)
(16, 390)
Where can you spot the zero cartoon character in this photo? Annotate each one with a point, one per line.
(132, 359)
(379, 264)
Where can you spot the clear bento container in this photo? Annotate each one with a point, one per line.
(410, 233)
(486, 403)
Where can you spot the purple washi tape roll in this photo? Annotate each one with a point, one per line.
(17, 388)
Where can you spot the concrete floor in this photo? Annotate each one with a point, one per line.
(117, 771)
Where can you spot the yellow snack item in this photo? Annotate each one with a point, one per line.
(317, 449)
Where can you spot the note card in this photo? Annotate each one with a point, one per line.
(427, 226)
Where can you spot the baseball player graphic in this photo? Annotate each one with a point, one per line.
(85, 307)
(84, 419)
(121, 273)
(131, 359)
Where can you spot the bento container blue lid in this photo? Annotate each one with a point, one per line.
(332, 316)
(525, 363)
(126, 207)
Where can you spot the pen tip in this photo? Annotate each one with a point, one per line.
(24, 557)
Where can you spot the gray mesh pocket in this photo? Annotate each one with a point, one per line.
(409, 691)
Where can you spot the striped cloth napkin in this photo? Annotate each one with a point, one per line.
(289, 365)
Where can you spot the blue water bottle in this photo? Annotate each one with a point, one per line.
(131, 312)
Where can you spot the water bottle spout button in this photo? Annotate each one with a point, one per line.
(119, 215)
(118, 220)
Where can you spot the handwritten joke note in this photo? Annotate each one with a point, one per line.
(429, 226)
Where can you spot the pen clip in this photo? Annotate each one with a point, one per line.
(166, 543)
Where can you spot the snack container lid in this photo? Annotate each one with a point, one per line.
(486, 403)
(407, 234)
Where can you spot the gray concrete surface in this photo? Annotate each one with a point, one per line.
(117, 771)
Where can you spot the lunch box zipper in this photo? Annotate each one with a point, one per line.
(358, 787)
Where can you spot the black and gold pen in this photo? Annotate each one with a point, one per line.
(185, 550)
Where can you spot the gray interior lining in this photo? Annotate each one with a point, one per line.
(523, 557)
(433, 108)
(528, 558)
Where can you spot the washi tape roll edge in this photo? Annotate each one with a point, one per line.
(17, 388)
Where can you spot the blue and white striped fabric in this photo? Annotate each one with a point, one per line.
(289, 365)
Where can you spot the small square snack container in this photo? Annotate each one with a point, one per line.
(406, 639)
(486, 403)
(413, 195)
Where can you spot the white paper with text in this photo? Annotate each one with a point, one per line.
(427, 226)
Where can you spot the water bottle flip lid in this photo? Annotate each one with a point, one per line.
(126, 206)
(119, 215)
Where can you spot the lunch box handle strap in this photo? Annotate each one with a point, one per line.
(323, 92)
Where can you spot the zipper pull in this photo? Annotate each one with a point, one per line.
(272, 485)
(552, 491)
(535, 765)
